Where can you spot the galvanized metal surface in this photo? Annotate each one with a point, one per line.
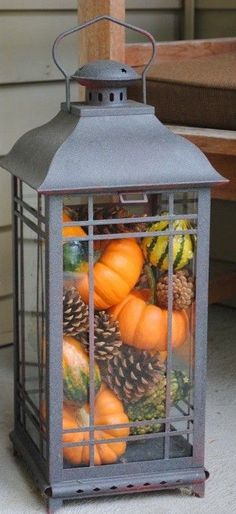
(169, 327)
(106, 109)
(92, 393)
(105, 73)
(132, 152)
(54, 323)
(200, 360)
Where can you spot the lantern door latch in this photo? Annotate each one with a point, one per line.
(133, 198)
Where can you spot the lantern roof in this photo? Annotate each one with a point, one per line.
(108, 143)
(94, 149)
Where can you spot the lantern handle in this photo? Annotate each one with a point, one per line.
(87, 24)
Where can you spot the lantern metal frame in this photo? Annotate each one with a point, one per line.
(169, 165)
(56, 482)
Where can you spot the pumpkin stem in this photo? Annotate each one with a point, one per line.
(151, 282)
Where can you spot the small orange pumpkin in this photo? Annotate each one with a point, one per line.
(71, 231)
(115, 273)
(145, 326)
(108, 410)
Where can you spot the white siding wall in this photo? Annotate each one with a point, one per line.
(30, 94)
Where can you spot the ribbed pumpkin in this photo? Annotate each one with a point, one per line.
(156, 248)
(115, 273)
(145, 326)
(108, 410)
(76, 372)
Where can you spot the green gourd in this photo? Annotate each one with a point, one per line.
(76, 376)
(75, 257)
(153, 405)
(156, 248)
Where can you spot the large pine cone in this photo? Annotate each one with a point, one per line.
(183, 290)
(132, 373)
(75, 313)
(107, 337)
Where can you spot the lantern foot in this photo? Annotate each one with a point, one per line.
(53, 504)
(199, 490)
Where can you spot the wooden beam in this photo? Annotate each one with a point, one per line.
(104, 40)
(137, 54)
(220, 148)
(226, 165)
(211, 141)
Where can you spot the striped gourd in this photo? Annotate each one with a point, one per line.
(156, 248)
(76, 374)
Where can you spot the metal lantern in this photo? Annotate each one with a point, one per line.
(111, 241)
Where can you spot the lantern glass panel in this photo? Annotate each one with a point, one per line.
(32, 199)
(186, 202)
(31, 312)
(181, 440)
(149, 379)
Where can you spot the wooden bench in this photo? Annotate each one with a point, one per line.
(218, 145)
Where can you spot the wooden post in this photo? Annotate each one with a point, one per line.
(104, 40)
(189, 19)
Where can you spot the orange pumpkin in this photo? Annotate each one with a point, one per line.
(145, 326)
(71, 231)
(115, 273)
(108, 410)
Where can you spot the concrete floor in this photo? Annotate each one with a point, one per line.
(18, 494)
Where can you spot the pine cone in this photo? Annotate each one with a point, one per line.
(114, 212)
(132, 373)
(107, 212)
(80, 213)
(107, 337)
(75, 313)
(183, 290)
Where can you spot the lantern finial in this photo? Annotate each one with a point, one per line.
(87, 24)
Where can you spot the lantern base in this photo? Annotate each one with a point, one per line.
(150, 478)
